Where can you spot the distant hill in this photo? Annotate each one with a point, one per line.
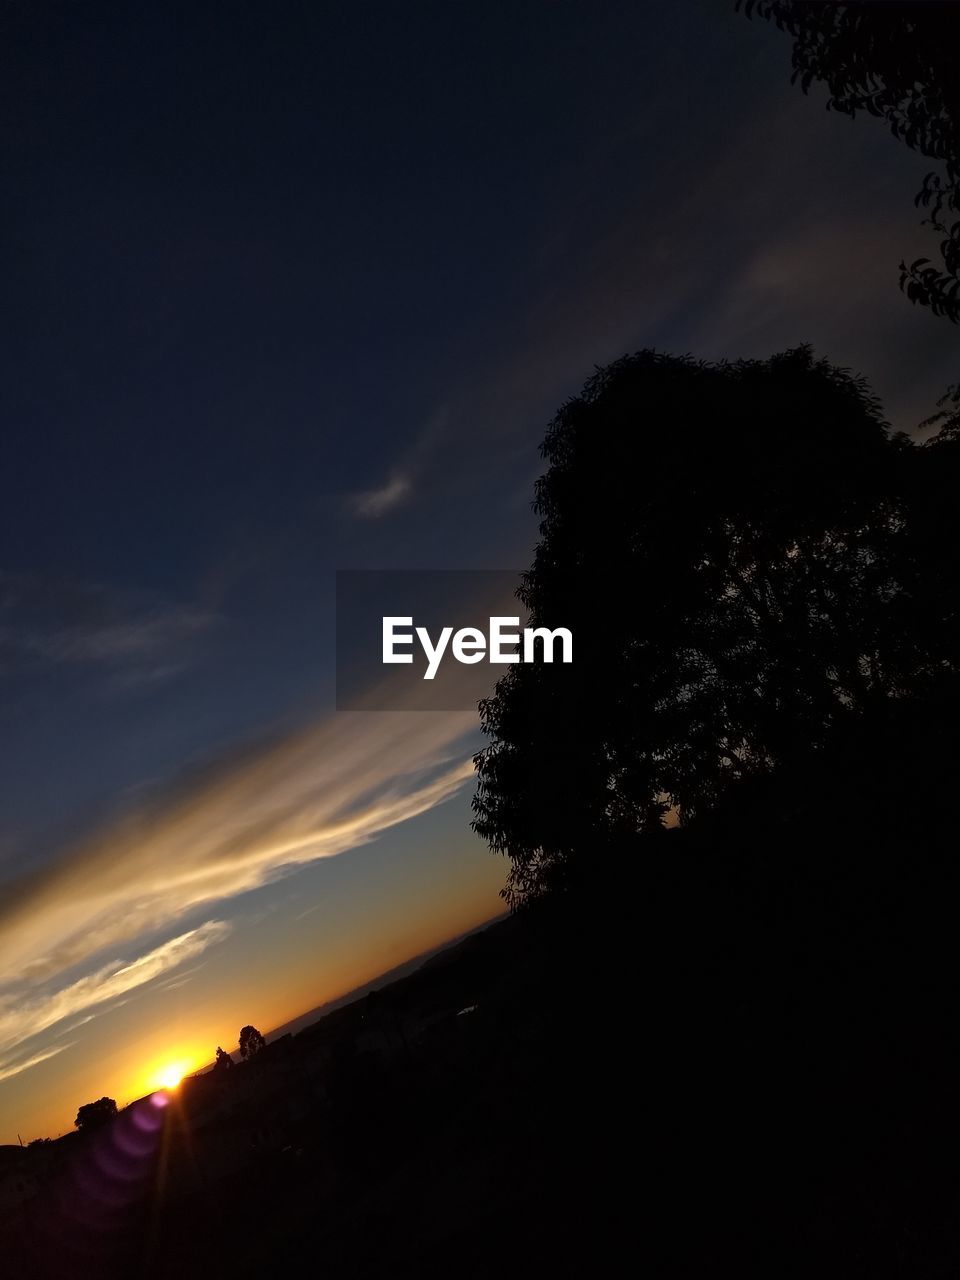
(434, 955)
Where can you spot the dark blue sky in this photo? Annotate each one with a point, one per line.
(296, 287)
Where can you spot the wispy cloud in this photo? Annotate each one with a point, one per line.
(175, 984)
(644, 271)
(75, 1026)
(373, 503)
(54, 621)
(13, 1067)
(23, 1017)
(314, 794)
(417, 457)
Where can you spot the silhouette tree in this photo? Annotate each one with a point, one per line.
(93, 1115)
(251, 1042)
(223, 1060)
(734, 548)
(901, 62)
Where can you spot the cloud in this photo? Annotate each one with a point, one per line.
(14, 1067)
(22, 1018)
(116, 640)
(645, 270)
(175, 984)
(374, 503)
(75, 1026)
(417, 457)
(49, 620)
(314, 794)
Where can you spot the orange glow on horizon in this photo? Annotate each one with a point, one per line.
(167, 1073)
(155, 1058)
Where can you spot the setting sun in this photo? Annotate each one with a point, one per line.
(170, 1076)
(164, 1069)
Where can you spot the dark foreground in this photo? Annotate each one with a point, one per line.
(737, 1055)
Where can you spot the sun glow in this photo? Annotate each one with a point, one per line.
(165, 1071)
(169, 1077)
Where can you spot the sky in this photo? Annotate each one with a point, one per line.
(295, 288)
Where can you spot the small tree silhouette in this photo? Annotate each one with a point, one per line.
(93, 1115)
(223, 1061)
(251, 1042)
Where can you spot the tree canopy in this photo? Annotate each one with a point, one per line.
(93, 1115)
(747, 558)
(251, 1042)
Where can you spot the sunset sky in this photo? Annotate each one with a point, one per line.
(295, 288)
